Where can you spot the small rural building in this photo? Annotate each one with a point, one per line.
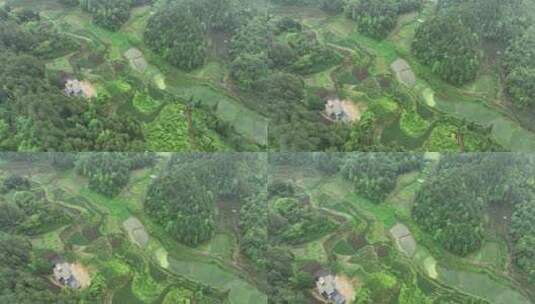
(63, 274)
(326, 286)
(74, 87)
(335, 110)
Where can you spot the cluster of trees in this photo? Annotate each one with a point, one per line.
(267, 57)
(520, 69)
(182, 198)
(182, 204)
(178, 30)
(448, 46)
(22, 271)
(108, 173)
(449, 41)
(178, 36)
(451, 204)
(294, 221)
(492, 20)
(451, 211)
(377, 18)
(110, 14)
(34, 113)
(375, 174)
(26, 210)
(523, 235)
(254, 229)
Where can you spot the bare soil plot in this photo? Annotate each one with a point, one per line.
(136, 231)
(404, 239)
(345, 286)
(403, 72)
(136, 59)
(81, 273)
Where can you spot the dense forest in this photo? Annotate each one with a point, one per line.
(463, 187)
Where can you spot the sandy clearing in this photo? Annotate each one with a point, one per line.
(345, 286)
(89, 89)
(81, 274)
(354, 112)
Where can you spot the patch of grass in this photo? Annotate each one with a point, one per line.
(169, 131)
(312, 251)
(482, 285)
(442, 138)
(221, 245)
(342, 247)
(78, 239)
(60, 64)
(241, 292)
(144, 103)
(126, 295)
(491, 253)
(213, 71)
(385, 213)
(413, 124)
(178, 295)
(118, 209)
(321, 80)
(145, 288)
(50, 240)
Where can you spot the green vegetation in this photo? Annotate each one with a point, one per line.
(519, 65)
(184, 48)
(202, 228)
(250, 76)
(448, 47)
(108, 14)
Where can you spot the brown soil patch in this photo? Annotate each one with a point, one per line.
(81, 274)
(89, 89)
(357, 241)
(352, 110)
(91, 233)
(361, 73)
(312, 267)
(382, 250)
(345, 287)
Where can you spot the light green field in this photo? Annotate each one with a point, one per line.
(241, 292)
(311, 251)
(481, 285)
(245, 121)
(50, 240)
(321, 80)
(221, 245)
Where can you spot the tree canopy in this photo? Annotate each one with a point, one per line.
(110, 14)
(108, 173)
(520, 69)
(449, 47)
(175, 34)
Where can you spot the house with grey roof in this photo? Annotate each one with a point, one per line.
(64, 276)
(326, 286)
(73, 87)
(335, 110)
